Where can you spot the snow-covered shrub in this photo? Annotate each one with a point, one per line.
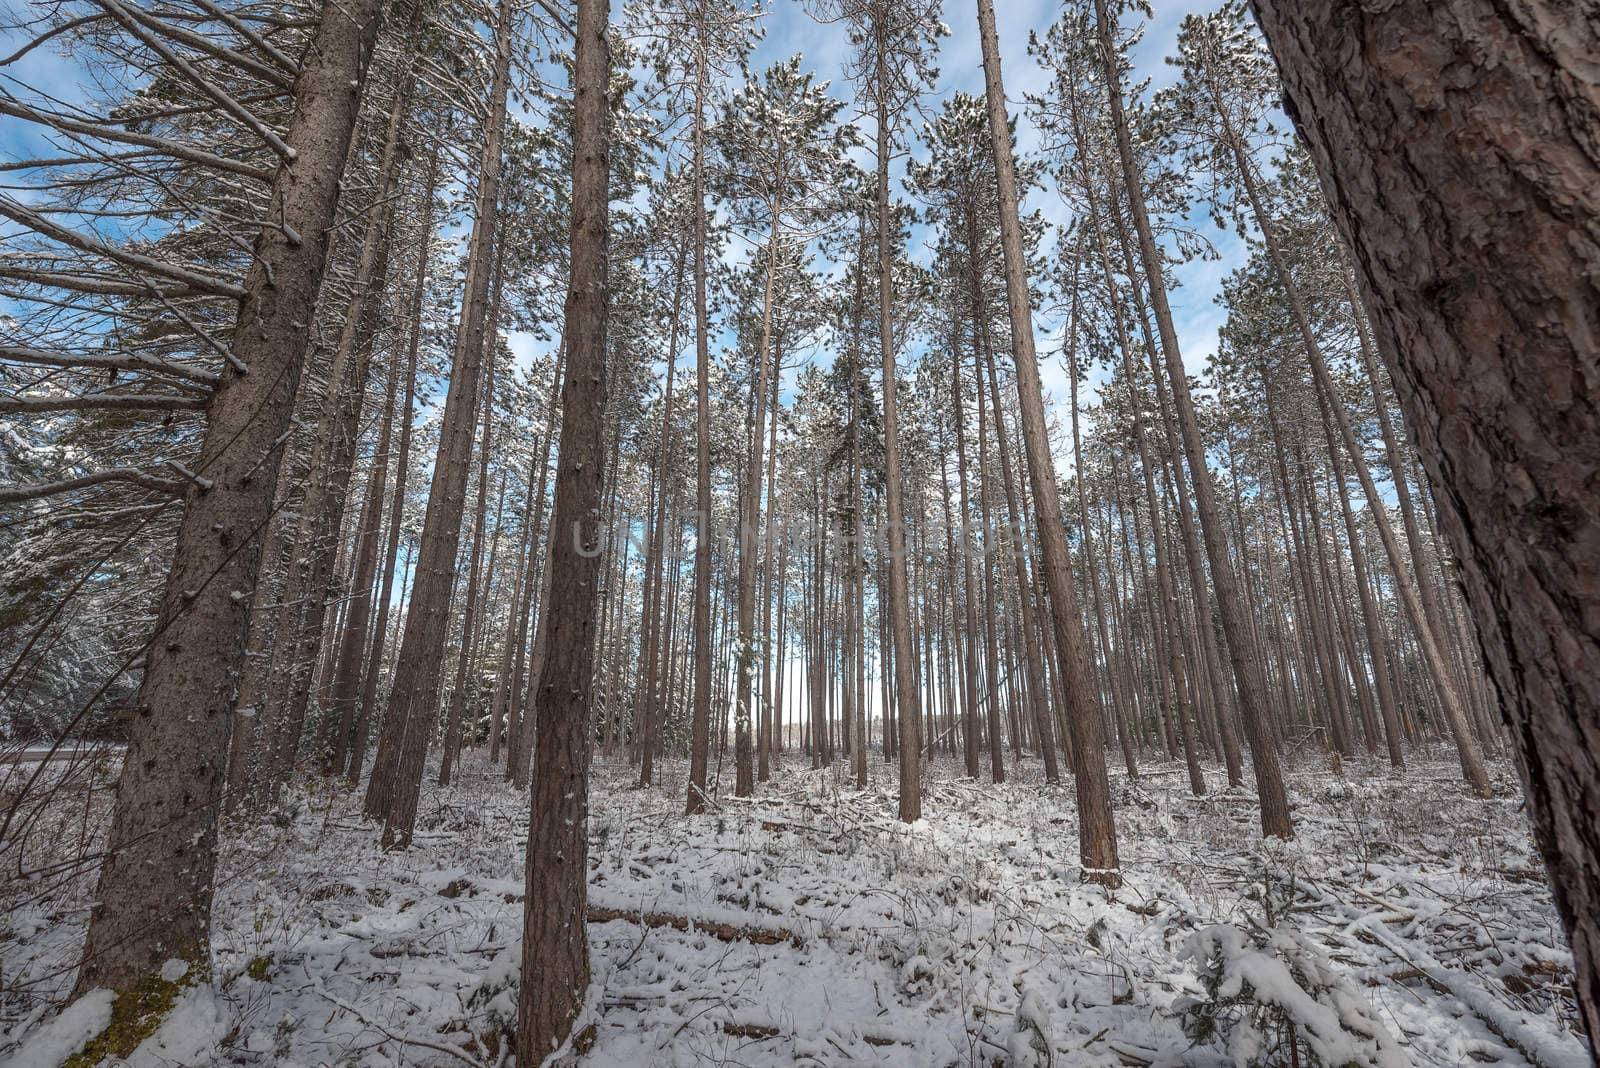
(1030, 1045)
(1272, 998)
(492, 1005)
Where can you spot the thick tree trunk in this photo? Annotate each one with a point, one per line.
(1476, 122)
(1097, 832)
(555, 943)
(153, 901)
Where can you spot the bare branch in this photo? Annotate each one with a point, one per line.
(250, 35)
(228, 103)
(211, 48)
(175, 149)
(128, 362)
(25, 215)
(97, 284)
(12, 494)
(42, 38)
(119, 401)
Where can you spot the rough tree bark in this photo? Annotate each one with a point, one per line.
(555, 943)
(153, 901)
(1457, 142)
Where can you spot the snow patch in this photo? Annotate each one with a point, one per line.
(60, 1038)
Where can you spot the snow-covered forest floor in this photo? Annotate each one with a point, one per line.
(810, 927)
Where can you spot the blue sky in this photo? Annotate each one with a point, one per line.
(790, 29)
(825, 49)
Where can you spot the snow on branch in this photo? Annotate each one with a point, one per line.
(131, 362)
(204, 283)
(105, 132)
(12, 494)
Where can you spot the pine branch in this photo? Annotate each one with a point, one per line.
(12, 494)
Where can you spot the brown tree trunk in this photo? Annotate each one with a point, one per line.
(768, 576)
(1275, 818)
(153, 900)
(749, 542)
(969, 599)
(380, 626)
(555, 942)
(510, 694)
(1091, 562)
(991, 660)
(856, 593)
(470, 609)
(1477, 265)
(1097, 833)
(1166, 637)
(358, 619)
(908, 737)
(700, 627)
(649, 707)
(414, 698)
(327, 493)
(1015, 525)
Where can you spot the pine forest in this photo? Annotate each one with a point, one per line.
(697, 533)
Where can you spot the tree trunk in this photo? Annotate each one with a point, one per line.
(555, 942)
(153, 901)
(749, 542)
(339, 429)
(700, 730)
(380, 627)
(1097, 832)
(969, 674)
(908, 740)
(1275, 818)
(414, 698)
(471, 610)
(649, 709)
(358, 618)
(1477, 266)
(991, 659)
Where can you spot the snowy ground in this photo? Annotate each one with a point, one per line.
(822, 931)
